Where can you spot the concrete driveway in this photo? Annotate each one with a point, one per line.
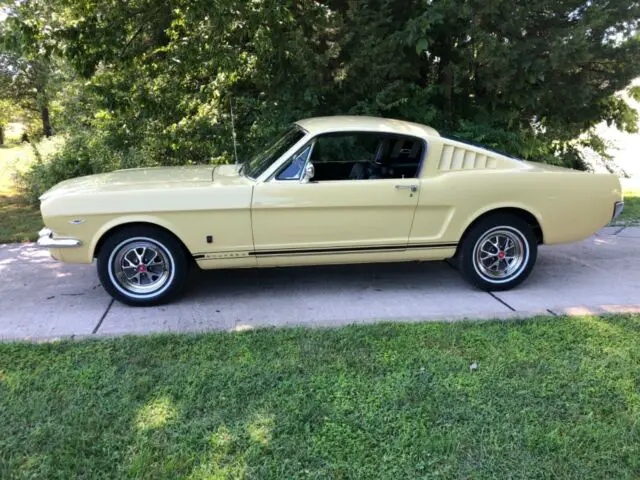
(41, 299)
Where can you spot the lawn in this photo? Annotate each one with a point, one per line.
(19, 222)
(631, 213)
(551, 397)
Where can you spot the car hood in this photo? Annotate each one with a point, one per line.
(155, 177)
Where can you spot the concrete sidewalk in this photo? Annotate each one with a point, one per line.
(41, 299)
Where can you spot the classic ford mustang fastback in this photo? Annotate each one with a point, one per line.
(329, 190)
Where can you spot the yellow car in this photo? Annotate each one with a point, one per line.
(330, 190)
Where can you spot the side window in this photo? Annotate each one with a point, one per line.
(356, 156)
(365, 156)
(404, 158)
(292, 170)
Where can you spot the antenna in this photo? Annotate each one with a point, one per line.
(233, 132)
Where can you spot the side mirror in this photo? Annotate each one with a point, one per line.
(309, 173)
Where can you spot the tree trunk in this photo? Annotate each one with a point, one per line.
(447, 83)
(46, 124)
(1, 135)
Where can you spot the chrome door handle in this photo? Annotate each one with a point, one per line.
(413, 188)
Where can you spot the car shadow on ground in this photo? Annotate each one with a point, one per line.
(338, 278)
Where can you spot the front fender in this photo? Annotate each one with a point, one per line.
(130, 219)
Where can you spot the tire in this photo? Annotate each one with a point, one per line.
(483, 257)
(143, 266)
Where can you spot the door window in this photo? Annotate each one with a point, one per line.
(357, 156)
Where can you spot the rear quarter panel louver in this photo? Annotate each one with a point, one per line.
(456, 157)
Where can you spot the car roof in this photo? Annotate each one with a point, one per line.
(340, 123)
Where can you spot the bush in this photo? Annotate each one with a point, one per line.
(84, 153)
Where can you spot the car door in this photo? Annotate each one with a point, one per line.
(333, 213)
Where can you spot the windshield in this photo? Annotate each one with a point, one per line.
(263, 160)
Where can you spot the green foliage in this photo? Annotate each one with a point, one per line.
(83, 153)
(631, 213)
(30, 71)
(634, 92)
(7, 112)
(551, 398)
(616, 111)
(6, 115)
(156, 81)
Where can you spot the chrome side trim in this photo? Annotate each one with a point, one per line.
(46, 240)
(324, 251)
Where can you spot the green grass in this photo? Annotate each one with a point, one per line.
(631, 213)
(19, 222)
(551, 398)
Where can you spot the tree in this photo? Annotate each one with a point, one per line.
(28, 67)
(527, 77)
(155, 81)
(6, 115)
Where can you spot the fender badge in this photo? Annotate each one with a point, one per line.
(76, 221)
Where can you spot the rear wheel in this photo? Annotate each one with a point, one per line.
(142, 266)
(498, 253)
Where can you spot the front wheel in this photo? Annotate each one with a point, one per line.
(498, 253)
(142, 266)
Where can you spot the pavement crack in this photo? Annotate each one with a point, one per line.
(616, 233)
(502, 301)
(106, 312)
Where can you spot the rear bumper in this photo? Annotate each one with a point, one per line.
(46, 239)
(617, 209)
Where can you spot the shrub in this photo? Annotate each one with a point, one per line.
(84, 153)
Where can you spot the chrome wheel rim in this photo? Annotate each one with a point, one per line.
(141, 267)
(501, 254)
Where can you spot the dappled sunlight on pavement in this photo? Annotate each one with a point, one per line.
(40, 297)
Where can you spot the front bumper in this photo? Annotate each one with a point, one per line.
(617, 209)
(47, 240)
